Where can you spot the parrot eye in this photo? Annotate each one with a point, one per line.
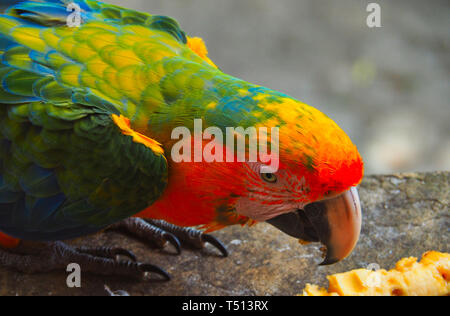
(269, 177)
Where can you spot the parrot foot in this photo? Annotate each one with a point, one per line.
(46, 257)
(192, 237)
(140, 228)
(160, 233)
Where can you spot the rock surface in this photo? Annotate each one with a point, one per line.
(404, 215)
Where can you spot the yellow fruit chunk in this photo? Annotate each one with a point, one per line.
(429, 277)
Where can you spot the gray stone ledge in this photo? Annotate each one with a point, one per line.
(404, 215)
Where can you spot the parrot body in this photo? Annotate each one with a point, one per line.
(86, 115)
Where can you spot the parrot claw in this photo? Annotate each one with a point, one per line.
(150, 268)
(216, 243)
(152, 234)
(190, 236)
(173, 241)
(160, 233)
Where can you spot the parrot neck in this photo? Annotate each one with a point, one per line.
(201, 194)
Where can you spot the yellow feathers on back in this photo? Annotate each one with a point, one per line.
(198, 46)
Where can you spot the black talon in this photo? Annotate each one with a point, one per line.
(126, 253)
(216, 243)
(190, 236)
(173, 240)
(144, 267)
(146, 230)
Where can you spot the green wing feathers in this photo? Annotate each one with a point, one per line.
(61, 89)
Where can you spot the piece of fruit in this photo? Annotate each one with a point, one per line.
(429, 277)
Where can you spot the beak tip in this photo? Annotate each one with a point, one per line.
(345, 214)
(329, 261)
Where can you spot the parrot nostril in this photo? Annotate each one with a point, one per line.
(331, 194)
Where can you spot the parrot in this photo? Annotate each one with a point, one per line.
(87, 114)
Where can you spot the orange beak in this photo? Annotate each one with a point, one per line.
(335, 222)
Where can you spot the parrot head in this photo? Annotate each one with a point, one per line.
(311, 196)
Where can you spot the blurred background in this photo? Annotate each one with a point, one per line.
(388, 87)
